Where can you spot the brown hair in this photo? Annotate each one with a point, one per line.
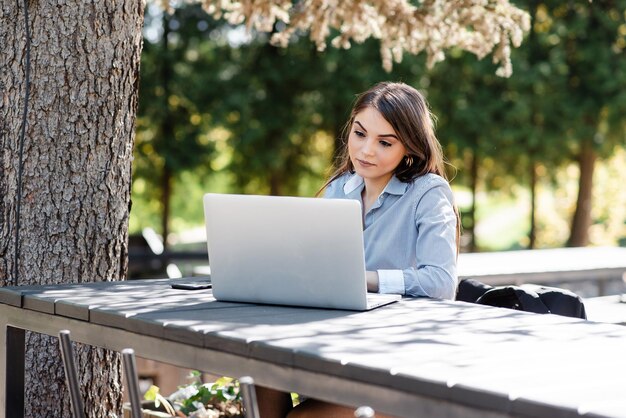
(408, 113)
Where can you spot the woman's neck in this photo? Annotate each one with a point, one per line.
(371, 191)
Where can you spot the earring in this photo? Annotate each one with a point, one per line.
(408, 160)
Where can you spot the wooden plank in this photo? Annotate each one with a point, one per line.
(544, 265)
(14, 295)
(72, 309)
(345, 362)
(212, 324)
(262, 334)
(44, 298)
(112, 305)
(190, 326)
(153, 323)
(40, 305)
(11, 296)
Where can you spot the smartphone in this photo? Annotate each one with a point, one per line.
(191, 286)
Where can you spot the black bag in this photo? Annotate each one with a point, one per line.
(527, 297)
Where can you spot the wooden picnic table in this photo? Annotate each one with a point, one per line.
(546, 266)
(415, 358)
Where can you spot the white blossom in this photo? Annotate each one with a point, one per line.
(477, 26)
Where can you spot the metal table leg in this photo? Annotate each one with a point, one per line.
(13, 370)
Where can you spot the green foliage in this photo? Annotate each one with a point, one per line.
(567, 87)
(585, 46)
(152, 394)
(269, 120)
(245, 116)
(175, 133)
(222, 395)
(285, 109)
(566, 90)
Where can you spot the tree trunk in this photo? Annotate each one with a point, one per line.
(167, 131)
(579, 234)
(166, 198)
(75, 182)
(276, 183)
(533, 205)
(471, 230)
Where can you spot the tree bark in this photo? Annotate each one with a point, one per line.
(579, 234)
(75, 182)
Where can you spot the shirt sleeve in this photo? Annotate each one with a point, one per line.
(335, 188)
(391, 281)
(436, 250)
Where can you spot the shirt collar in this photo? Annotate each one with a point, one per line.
(353, 183)
(394, 186)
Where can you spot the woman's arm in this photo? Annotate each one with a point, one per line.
(372, 281)
(435, 272)
(436, 251)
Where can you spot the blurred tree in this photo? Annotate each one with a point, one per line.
(278, 111)
(271, 115)
(282, 99)
(575, 67)
(563, 103)
(533, 127)
(172, 124)
(268, 144)
(591, 38)
(470, 103)
(495, 126)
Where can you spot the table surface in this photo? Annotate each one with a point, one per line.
(609, 309)
(544, 265)
(415, 357)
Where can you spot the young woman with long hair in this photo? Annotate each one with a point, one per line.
(393, 164)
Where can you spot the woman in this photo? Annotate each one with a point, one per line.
(393, 164)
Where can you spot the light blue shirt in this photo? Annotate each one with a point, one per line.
(409, 234)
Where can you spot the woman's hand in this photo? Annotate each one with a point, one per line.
(372, 281)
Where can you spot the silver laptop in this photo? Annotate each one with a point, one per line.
(288, 251)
